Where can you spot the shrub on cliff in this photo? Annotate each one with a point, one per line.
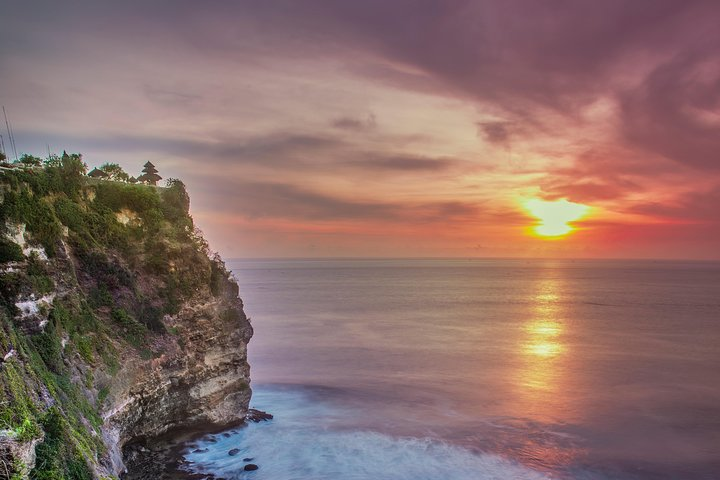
(27, 199)
(57, 457)
(10, 251)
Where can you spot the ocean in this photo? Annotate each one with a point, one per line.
(474, 369)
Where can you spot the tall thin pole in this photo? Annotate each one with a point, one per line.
(7, 125)
(12, 140)
(10, 134)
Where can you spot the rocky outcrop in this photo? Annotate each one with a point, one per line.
(203, 385)
(16, 455)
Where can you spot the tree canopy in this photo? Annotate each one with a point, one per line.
(30, 160)
(114, 172)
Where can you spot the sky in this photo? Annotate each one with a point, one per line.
(319, 128)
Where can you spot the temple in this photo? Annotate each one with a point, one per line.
(150, 175)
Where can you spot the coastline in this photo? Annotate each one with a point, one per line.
(164, 456)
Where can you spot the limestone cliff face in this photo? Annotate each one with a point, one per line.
(204, 383)
(117, 324)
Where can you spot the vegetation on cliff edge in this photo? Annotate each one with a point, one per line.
(120, 258)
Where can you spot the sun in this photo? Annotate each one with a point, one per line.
(554, 217)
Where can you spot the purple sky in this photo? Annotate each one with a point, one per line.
(388, 128)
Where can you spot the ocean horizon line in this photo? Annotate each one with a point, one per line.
(471, 258)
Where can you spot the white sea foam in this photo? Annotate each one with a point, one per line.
(296, 447)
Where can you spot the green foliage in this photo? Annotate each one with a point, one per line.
(38, 275)
(105, 271)
(218, 277)
(72, 174)
(67, 444)
(36, 212)
(137, 198)
(84, 346)
(70, 214)
(44, 226)
(48, 346)
(58, 457)
(114, 172)
(10, 251)
(109, 357)
(30, 161)
(102, 395)
(74, 319)
(176, 203)
(18, 411)
(134, 332)
(151, 316)
(100, 297)
(10, 285)
(53, 161)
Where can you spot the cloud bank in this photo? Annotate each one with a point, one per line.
(390, 128)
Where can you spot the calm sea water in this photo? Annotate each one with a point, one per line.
(479, 369)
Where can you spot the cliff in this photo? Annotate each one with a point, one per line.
(116, 323)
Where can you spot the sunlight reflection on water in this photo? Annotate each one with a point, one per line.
(560, 365)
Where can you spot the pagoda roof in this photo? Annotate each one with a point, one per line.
(97, 173)
(148, 164)
(149, 177)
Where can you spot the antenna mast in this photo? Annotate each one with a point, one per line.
(10, 134)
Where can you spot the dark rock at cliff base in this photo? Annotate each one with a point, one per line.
(234, 452)
(250, 467)
(248, 459)
(256, 416)
(160, 461)
(201, 450)
(226, 435)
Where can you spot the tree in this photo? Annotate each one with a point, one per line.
(2, 157)
(30, 161)
(115, 172)
(53, 161)
(72, 171)
(176, 202)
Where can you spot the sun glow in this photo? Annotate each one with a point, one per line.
(554, 217)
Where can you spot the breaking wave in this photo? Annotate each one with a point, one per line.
(299, 444)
